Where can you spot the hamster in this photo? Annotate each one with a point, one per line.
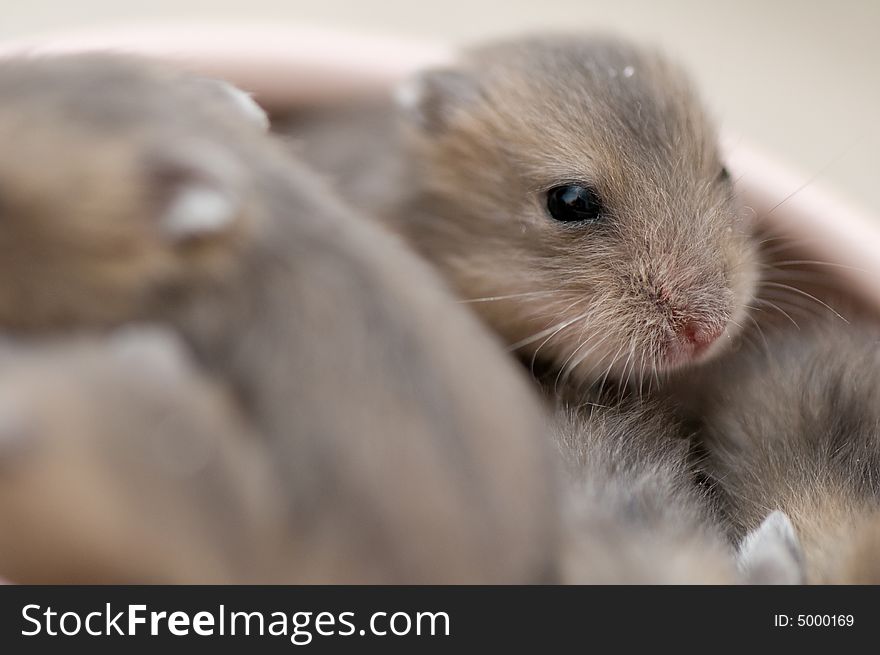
(647, 267)
(121, 462)
(570, 188)
(408, 446)
(634, 512)
(791, 436)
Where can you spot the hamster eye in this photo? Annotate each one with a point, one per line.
(572, 202)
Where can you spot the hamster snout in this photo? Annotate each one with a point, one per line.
(694, 334)
(694, 306)
(693, 339)
(699, 335)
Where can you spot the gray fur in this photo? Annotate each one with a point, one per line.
(795, 427)
(634, 512)
(138, 468)
(382, 406)
(463, 173)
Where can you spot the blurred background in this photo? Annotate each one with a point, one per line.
(799, 77)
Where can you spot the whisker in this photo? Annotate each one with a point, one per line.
(626, 364)
(641, 376)
(809, 310)
(775, 237)
(788, 244)
(510, 296)
(571, 369)
(766, 302)
(758, 328)
(811, 277)
(562, 368)
(805, 294)
(837, 157)
(813, 262)
(550, 330)
(544, 343)
(610, 366)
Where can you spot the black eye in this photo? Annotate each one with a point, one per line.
(724, 175)
(573, 202)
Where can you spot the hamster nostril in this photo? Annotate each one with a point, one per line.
(697, 334)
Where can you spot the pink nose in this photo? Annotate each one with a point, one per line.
(699, 335)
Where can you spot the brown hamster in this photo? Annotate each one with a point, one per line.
(793, 428)
(409, 448)
(653, 272)
(634, 511)
(120, 462)
(571, 188)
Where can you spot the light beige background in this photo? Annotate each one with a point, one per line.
(802, 78)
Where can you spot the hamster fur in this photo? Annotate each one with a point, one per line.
(794, 428)
(120, 462)
(659, 281)
(662, 281)
(463, 171)
(129, 192)
(634, 511)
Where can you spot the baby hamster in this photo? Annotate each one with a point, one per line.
(120, 462)
(791, 431)
(634, 512)
(571, 189)
(409, 448)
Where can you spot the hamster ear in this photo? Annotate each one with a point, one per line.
(772, 553)
(198, 190)
(241, 101)
(432, 98)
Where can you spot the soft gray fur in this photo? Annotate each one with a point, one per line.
(408, 447)
(634, 511)
(795, 426)
(120, 462)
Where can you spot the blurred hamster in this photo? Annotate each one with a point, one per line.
(409, 448)
(792, 436)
